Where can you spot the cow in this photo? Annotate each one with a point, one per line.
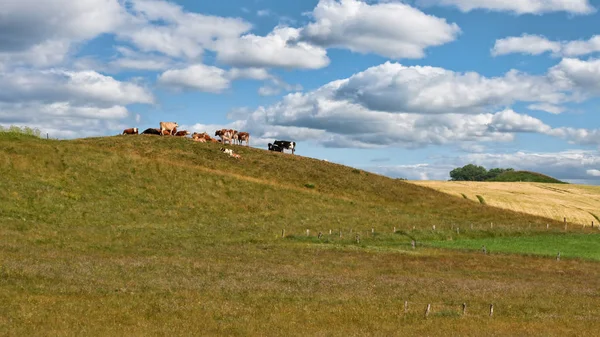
(230, 153)
(243, 137)
(182, 133)
(284, 144)
(276, 148)
(130, 131)
(225, 135)
(204, 136)
(151, 131)
(165, 132)
(168, 126)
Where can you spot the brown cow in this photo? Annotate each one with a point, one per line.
(243, 137)
(169, 126)
(182, 133)
(225, 135)
(130, 131)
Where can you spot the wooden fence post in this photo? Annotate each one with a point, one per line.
(433, 227)
(405, 306)
(483, 250)
(565, 220)
(457, 230)
(427, 310)
(592, 224)
(394, 229)
(357, 238)
(412, 243)
(491, 310)
(283, 233)
(340, 233)
(330, 232)
(558, 256)
(308, 232)
(464, 309)
(547, 226)
(320, 235)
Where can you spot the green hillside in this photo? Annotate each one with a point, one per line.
(525, 176)
(148, 235)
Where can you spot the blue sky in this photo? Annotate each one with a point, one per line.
(403, 88)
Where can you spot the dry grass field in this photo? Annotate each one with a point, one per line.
(580, 204)
(148, 235)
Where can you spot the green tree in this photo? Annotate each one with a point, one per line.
(469, 172)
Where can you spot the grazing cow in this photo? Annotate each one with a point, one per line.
(284, 144)
(225, 135)
(130, 131)
(168, 126)
(151, 131)
(165, 132)
(182, 133)
(243, 137)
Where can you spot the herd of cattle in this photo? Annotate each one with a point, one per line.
(226, 136)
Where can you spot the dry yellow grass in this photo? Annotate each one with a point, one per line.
(578, 203)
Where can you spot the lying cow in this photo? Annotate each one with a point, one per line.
(168, 126)
(230, 153)
(151, 131)
(182, 133)
(130, 131)
(284, 144)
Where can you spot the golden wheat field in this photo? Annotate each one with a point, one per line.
(578, 203)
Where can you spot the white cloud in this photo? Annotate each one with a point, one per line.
(593, 173)
(518, 7)
(395, 105)
(263, 12)
(80, 87)
(131, 59)
(279, 48)
(196, 77)
(424, 89)
(249, 73)
(537, 44)
(376, 28)
(526, 44)
(161, 26)
(553, 109)
(577, 74)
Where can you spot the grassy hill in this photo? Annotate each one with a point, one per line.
(578, 203)
(525, 176)
(153, 235)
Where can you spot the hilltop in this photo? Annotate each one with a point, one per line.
(525, 176)
(149, 235)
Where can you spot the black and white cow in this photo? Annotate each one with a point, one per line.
(283, 144)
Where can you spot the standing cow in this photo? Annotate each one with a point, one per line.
(284, 144)
(243, 137)
(168, 126)
(226, 135)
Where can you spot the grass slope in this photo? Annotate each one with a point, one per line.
(155, 235)
(578, 203)
(525, 176)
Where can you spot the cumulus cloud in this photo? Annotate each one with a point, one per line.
(376, 28)
(593, 173)
(553, 109)
(537, 44)
(424, 89)
(580, 7)
(526, 44)
(577, 74)
(279, 48)
(411, 107)
(196, 77)
(165, 27)
(80, 87)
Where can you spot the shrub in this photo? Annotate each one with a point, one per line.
(25, 130)
(309, 185)
(481, 200)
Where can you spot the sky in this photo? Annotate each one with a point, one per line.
(408, 89)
